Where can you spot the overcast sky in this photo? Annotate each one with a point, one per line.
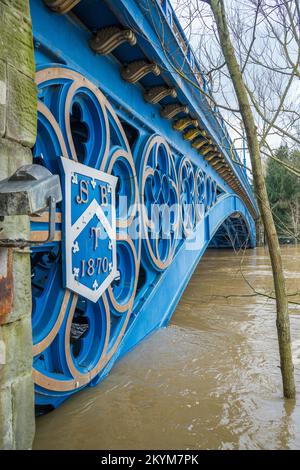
(200, 33)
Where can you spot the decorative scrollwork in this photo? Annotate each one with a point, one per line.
(171, 110)
(157, 93)
(73, 337)
(199, 194)
(159, 197)
(107, 39)
(201, 142)
(210, 152)
(183, 123)
(186, 182)
(214, 193)
(190, 134)
(210, 192)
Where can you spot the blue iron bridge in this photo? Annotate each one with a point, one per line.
(150, 180)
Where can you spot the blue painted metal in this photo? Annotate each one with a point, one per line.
(177, 204)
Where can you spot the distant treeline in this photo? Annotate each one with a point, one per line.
(284, 193)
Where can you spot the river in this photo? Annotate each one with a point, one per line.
(210, 380)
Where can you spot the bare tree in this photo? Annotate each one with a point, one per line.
(265, 37)
(251, 54)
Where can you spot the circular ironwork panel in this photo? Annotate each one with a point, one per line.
(186, 182)
(74, 338)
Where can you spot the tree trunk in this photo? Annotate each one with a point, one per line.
(282, 322)
(260, 233)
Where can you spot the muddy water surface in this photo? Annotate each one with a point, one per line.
(210, 380)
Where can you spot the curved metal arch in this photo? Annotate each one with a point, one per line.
(243, 214)
(59, 372)
(157, 174)
(163, 298)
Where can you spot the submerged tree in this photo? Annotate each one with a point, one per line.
(243, 98)
(251, 54)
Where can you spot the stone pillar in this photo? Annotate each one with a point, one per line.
(18, 103)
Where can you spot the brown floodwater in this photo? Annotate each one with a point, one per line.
(210, 380)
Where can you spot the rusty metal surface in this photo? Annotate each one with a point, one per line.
(6, 283)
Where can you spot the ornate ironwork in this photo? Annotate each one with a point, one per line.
(159, 192)
(134, 71)
(61, 6)
(171, 110)
(186, 182)
(209, 152)
(157, 93)
(183, 123)
(76, 338)
(78, 123)
(190, 134)
(107, 39)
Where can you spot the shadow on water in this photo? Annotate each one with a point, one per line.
(211, 380)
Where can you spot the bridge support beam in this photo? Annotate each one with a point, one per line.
(17, 135)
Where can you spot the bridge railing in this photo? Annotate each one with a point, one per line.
(199, 75)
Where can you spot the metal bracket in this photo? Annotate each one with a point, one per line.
(190, 134)
(209, 152)
(183, 123)
(107, 39)
(201, 142)
(7, 243)
(157, 93)
(134, 71)
(61, 6)
(170, 110)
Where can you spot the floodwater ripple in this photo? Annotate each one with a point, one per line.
(210, 380)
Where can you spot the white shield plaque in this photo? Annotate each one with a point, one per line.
(89, 229)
